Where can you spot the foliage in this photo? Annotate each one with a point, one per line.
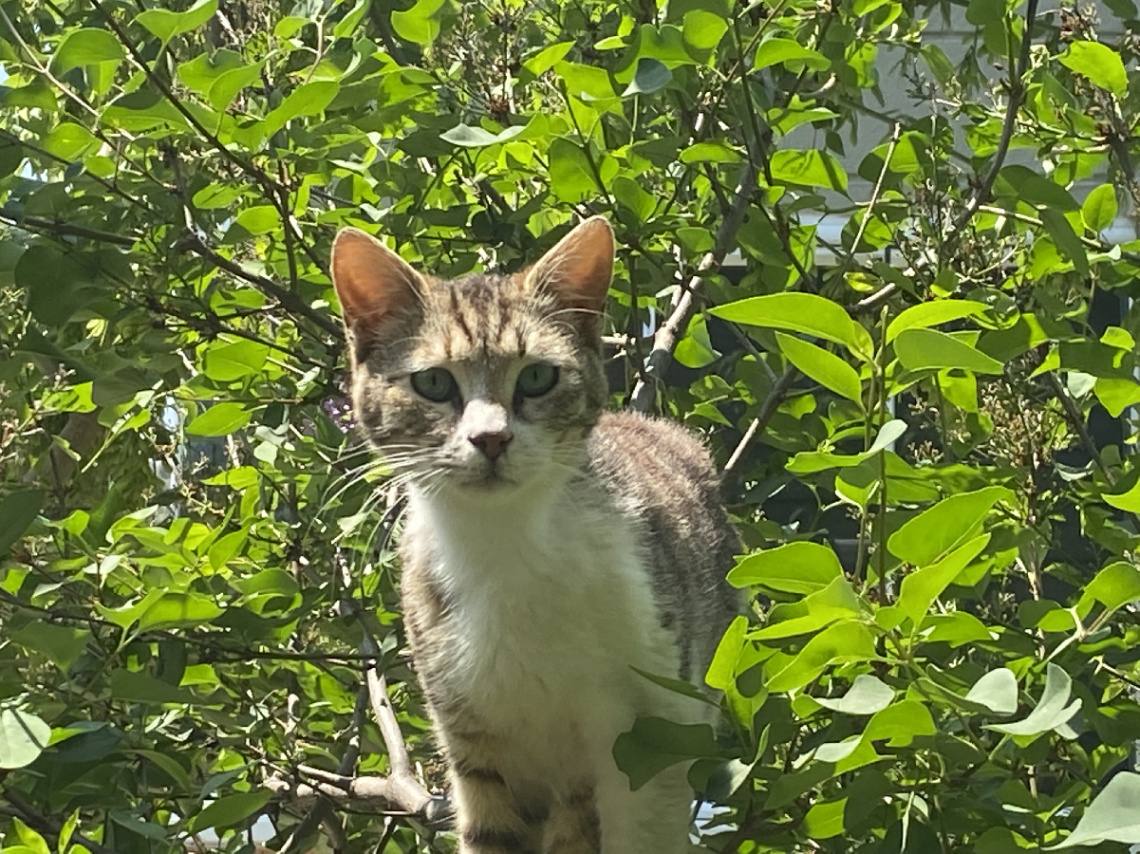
(195, 557)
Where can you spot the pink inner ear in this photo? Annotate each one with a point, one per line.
(372, 282)
(579, 268)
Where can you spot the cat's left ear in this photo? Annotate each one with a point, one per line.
(578, 270)
(372, 282)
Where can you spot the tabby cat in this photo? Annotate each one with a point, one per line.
(550, 547)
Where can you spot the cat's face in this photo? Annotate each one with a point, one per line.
(482, 385)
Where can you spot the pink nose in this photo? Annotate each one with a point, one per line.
(491, 444)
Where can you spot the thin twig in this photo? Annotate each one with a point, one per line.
(289, 300)
(1077, 422)
(62, 229)
(767, 410)
(1016, 98)
(684, 304)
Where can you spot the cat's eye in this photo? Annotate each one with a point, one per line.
(536, 379)
(436, 384)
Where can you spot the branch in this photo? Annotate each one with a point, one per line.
(61, 229)
(767, 410)
(289, 300)
(1077, 422)
(374, 793)
(274, 191)
(1016, 98)
(402, 783)
(43, 824)
(644, 392)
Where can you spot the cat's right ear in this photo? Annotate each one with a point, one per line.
(372, 282)
(578, 271)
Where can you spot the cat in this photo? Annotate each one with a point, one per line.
(550, 547)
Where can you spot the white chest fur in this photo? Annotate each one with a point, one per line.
(549, 611)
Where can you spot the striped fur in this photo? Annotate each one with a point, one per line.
(537, 576)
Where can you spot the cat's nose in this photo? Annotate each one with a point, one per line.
(491, 443)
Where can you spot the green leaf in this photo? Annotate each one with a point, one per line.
(1065, 239)
(777, 50)
(1115, 586)
(308, 99)
(141, 688)
(922, 587)
(996, 691)
(61, 644)
(23, 737)
(808, 168)
(926, 349)
(1100, 208)
(229, 361)
(809, 313)
(722, 671)
(800, 567)
(695, 350)
(982, 12)
(86, 46)
(702, 29)
(1099, 63)
(867, 695)
(1127, 501)
(1116, 395)
(933, 313)
(420, 24)
(939, 529)
(1111, 817)
(166, 24)
(571, 177)
(17, 511)
(836, 601)
(260, 219)
(179, 609)
(347, 25)
(1035, 189)
(33, 843)
(845, 641)
(1051, 711)
(652, 75)
(547, 58)
(466, 136)
(717, 151)
(228, 811)
(900, 724)
(808, 462)
(654, 744)
(825, 368)
(221, 419)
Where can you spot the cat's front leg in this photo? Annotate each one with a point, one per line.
(574, 826)
(491, 816)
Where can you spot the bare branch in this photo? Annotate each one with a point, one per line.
(684, 304)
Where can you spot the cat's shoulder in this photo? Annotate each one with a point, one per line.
(629, 445)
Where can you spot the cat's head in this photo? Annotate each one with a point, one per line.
(484, 384)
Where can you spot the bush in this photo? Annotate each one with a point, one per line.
(920, 380)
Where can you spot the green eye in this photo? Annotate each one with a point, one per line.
(536, 380)
(435, 384)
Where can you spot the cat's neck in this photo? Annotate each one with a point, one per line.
(502, 535)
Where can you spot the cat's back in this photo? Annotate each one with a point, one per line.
(664, 478)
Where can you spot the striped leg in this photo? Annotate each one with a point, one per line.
(491, 817)
(574, 827)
